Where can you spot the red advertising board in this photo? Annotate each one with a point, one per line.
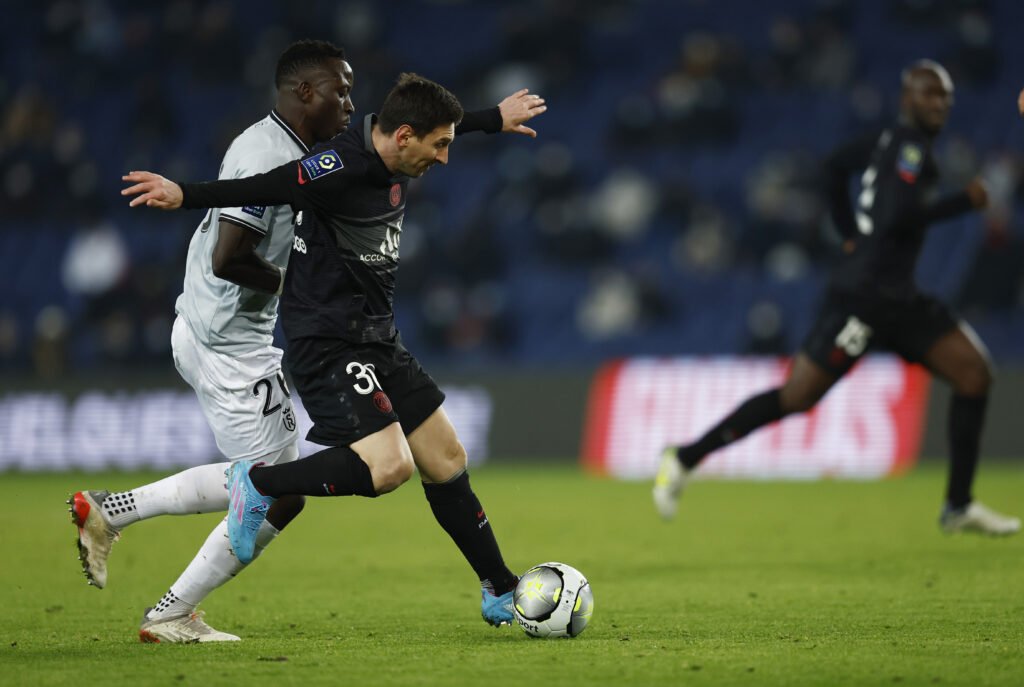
(869, 425)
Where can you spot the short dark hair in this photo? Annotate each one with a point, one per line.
(305, 53)
(420, 103)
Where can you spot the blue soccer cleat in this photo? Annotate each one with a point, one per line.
(497, 610)
(247, 509)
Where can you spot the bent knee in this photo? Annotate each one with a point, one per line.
(449, 463)
(974, 380)
(798, 401)
(393, 473)
(441, 464)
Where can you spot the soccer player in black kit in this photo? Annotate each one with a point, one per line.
(371, 402)
(873, 302)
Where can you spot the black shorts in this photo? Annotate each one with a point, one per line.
(354, 390)
(848, 326)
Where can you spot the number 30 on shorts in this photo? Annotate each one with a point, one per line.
(854, 337)
(366, 376)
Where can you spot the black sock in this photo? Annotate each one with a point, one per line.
(459, 512)
(755, 412)
(966, 418)
(336, 471)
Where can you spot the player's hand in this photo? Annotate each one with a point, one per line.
(152, 190)
(1020, 103)
(521, 106)
(977, 192)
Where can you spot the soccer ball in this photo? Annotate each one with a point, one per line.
(553, 600)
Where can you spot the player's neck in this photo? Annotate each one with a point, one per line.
(908, 121)
(386, 148)
(295, 120)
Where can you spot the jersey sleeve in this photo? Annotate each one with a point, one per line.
(312, 181)
(948, 207)
(850, 158)
(908, 179)
(270, 188)
(489, 121)
(942, 207)
(253, 217)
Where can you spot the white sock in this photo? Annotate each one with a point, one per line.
(201, 489)
(119, 509)
(196, 490)
(169, 606)
(214, 565)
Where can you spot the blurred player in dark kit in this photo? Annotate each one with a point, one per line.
(872, 302)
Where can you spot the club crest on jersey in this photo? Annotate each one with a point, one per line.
(256, 211)
(382, 402)
(322, 164)
(909, 165)
(396, 195)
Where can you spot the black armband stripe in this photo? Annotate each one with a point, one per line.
(242, 223)
(488, 121)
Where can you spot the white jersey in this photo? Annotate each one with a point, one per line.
(224, 316)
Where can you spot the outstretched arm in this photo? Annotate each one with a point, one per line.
(509, 116)
(973, 197)
(275, 187)
(1020, 103)
(152, 190)
(518, 108)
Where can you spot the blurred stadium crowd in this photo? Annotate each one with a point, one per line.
(668, 206)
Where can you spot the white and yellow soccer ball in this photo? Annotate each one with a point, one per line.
(553, 600)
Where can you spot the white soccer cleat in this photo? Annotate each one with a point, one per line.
(669, 484)
(95, 534)
(185, 629)
(977, 517)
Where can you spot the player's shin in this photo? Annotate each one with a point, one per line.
(460, 514)
(214, 565)
(196, 490)
(966, 419)
(753, 413)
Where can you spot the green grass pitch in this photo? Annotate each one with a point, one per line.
(833, 583)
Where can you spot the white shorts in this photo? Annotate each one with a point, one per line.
(244, 398)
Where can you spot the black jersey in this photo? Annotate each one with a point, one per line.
(348, 227)
(894, 207)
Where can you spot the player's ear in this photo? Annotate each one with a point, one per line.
(304, 91)
(403, 135)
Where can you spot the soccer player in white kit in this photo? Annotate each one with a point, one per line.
(222, 343)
